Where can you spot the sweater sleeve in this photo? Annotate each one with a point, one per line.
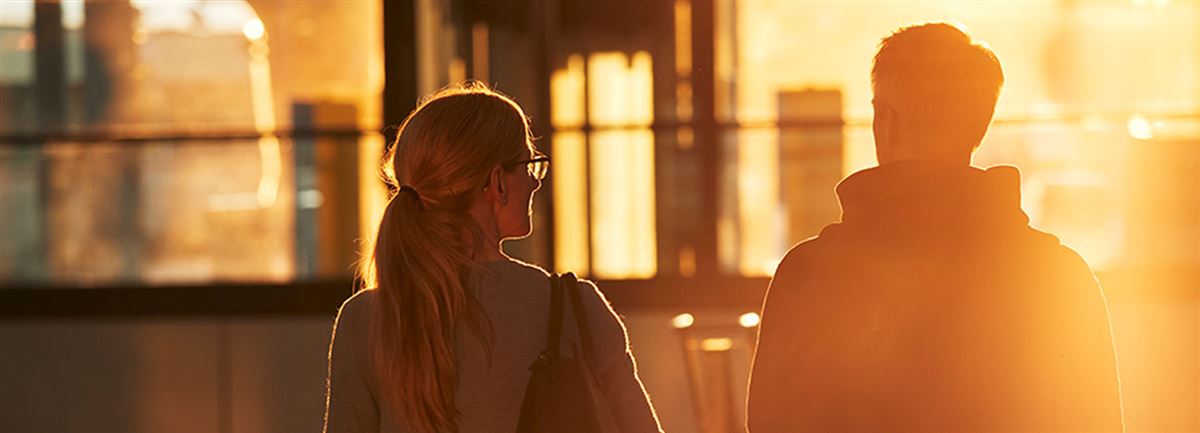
(616, 366)
(1077, 385)
(772, 394)
(349, 405)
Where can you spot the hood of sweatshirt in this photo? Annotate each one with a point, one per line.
(927, 198)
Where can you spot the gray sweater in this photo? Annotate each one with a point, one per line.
(515, 297)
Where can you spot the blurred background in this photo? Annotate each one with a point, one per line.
(184, 185)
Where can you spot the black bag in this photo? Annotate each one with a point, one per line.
(564, 394)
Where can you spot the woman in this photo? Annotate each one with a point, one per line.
(445, 338)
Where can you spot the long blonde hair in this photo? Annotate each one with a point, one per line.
(426, 245)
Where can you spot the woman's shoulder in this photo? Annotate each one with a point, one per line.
(360, 300)
(354, 311)
(515, 266)
(594, 298)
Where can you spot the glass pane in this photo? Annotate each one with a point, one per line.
(17, 45)
(144, 66)
(260, 210)
(570, 203)
(622, 205)
(779, 180)
(621, 181)
(572, 249)
(605, 205)
(179, 209)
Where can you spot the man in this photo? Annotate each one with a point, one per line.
(932, 305)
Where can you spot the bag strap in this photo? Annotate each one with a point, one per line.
(571, 284)
(554, 327)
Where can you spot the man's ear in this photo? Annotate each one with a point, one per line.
(886, 128)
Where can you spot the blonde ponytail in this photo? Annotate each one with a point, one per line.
(425, 248)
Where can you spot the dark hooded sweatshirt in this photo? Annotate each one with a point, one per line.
(933, 306)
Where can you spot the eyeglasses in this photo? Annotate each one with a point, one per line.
(538, 166)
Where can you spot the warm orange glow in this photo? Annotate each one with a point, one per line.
(457, 70)
(566, 95)
(254, 30)
(683, 320)
(479, 51)
(759, 211)
(571, 241)
(748, 320)
(1069, 60)
(687, 262)
(683, 63)
(1097, 110)
(371, 192)
(1140, 128)
(620, 89)
(716, 344)
(570, 203)
(622, 211)
(262, 103)
(858, 151)
(619, 156)
(683, 38)
(622, 165)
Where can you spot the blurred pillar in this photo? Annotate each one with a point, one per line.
(91, 191)
(50, 64)
(326, 191)
(110, 95)
(110, 63)
(50, 98)
(544, 31)
(705, 142)
(399, 61)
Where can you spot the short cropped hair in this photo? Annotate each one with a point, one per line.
(940, 80)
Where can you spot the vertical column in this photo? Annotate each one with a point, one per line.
(399, 61)
(705, 142)
(50, 96)
(50, 64)
(111, 96)
(546, 51)
(327, 200)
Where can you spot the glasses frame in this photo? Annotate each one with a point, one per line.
(538, 166)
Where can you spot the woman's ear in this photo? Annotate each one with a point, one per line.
(496, 188)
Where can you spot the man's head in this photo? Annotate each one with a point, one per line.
(935, 91)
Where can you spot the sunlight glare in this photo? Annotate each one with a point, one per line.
(748, 320)
(1140, 128)
(716, 344)
(254, 30)
(683, 321)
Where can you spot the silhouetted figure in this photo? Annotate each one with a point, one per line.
(444, 338)
(932, 305)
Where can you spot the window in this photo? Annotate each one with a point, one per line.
(610, 168)
(1085, 140)
(187, 142)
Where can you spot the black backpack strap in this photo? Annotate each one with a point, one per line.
(554, 326)
(571, 285)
